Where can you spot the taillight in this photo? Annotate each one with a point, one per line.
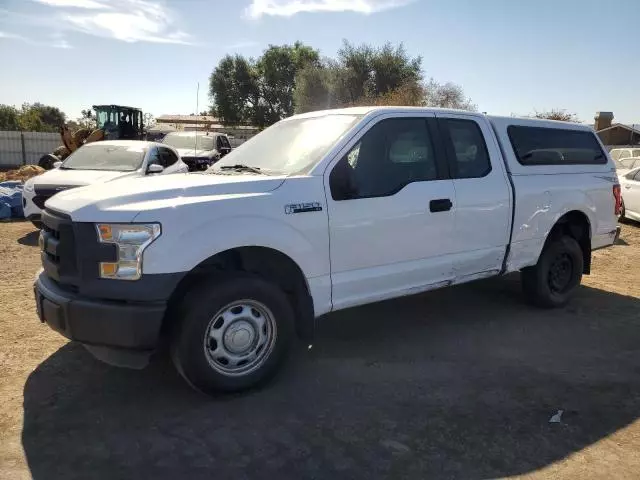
(618, 196)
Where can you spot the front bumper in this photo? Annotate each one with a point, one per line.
(29, 208)
(117, 332)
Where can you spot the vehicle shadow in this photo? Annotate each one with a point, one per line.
(30, 239)
(458, 383)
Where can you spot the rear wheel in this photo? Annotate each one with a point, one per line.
(622, 218)
(233, 335)
(552, 281)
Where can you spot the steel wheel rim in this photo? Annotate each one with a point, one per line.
(240, 337)
(560, 273)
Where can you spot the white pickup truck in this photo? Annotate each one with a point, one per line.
(320, 212)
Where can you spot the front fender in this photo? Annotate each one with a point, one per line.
(183, 251)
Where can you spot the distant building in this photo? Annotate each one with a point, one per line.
(615, 134)
(205, 123)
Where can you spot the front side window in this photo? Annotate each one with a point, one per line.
(467, 148)
(555, 146)
(167, 157)
(391, 155)
(154, 158)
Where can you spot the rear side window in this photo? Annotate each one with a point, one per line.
(466, 148)
(554, 146)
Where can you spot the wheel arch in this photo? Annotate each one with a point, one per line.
(265, 262)
(575, 224)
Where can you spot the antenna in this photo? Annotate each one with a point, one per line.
(195, 137)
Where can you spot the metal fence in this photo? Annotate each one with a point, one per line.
(26, 148)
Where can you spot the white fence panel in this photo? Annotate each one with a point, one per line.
(36, 144)
(10, 149)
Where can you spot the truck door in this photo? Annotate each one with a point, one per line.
(391, 212)
(483, 195)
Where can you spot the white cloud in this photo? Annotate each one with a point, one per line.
(288, 8)
(242, 45)
(125, 20)
(56, 41)
(90, 4)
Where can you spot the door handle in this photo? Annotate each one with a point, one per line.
(440, 205)
(627, 187)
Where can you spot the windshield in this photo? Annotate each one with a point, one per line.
(200, 142)
(626, 163)
(290, 146)
(98, 156)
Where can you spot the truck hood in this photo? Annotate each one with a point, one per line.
(58, 176)
(190, 152)
(121, 201)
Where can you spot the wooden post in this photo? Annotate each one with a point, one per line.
(24, 150)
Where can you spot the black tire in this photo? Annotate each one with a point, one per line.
(37, 224)
(622, 218)
(552, 281)
(201, 311)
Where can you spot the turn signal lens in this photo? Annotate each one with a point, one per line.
(108, 269)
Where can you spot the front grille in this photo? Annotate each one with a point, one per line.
(42, 194)
(58, 247)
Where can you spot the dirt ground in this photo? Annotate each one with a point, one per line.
(457, 383)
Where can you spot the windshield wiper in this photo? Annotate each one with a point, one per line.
(241, 168)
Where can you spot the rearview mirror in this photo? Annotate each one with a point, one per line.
(155, 168)
(57, 164)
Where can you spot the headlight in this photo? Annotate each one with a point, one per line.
(131, 240)
(28, 186)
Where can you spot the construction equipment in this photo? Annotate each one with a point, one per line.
(113, 122)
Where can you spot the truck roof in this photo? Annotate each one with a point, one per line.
(372, 110)
(123, 143)
(194, 133)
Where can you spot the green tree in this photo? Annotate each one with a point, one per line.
(277, 70)
(38, 117)
(446, 95)
(259, 91)
(557, 114)
(9, 118)
(364, 75)
(233, 87)
(86, 120)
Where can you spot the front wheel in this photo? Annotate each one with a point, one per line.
(233, 335)
(552, 281)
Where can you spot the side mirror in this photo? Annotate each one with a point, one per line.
(57, 164)
(342, 182)
(154, 168)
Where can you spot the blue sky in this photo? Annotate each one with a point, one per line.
(510, 56)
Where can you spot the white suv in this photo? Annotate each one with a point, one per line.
(99, 162)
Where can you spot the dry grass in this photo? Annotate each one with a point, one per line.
(22, 173)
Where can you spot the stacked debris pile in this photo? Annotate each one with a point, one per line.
(22, 173)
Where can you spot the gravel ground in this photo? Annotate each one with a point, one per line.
(457, 383)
